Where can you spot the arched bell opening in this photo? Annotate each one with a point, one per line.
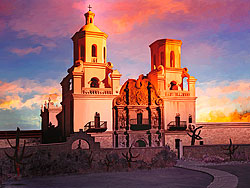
(172, 59)
(94, 82)
(94, 50)
(173, 85)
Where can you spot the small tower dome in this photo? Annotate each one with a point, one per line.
(90, 26)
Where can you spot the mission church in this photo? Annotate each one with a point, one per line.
(138, 112)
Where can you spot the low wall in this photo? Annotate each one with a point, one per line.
(212, 134)
(60, 158)
(199, 152)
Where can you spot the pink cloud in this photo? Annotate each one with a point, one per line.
(48, 18)
(52, 18)
(25, 51)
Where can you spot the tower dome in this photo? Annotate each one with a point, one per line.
(90, 26)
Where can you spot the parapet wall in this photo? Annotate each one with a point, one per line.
(199, 152)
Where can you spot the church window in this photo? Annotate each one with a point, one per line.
(94, 50)
(173, 85)
(190, 120)
(185, 84)
(154, 60)
(139, 119)
(94, 83)
(172, 59)
(70, 84)
(104, 54)
(82, 52)
(162, 58)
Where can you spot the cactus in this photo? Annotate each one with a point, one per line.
(194, 136)
(129, 157)
(17, 156)
(231, 149)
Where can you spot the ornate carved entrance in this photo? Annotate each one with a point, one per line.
(138, 113)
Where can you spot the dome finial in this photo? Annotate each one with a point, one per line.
(89, 8)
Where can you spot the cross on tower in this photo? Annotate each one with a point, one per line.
(89, 7)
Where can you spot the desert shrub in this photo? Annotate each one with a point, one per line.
(212, 159)
(164, 158)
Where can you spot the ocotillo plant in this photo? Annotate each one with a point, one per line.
(17, 156)
(129, 157)
(231, 149)
(194, 136)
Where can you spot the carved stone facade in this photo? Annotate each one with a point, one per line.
(138, 114)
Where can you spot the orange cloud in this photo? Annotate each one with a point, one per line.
(24, 93)
(218, 101)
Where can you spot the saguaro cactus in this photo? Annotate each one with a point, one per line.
(194, 136)
(17, 156)
(129, 156)
(231, 149)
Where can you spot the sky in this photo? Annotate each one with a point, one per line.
(36, 50)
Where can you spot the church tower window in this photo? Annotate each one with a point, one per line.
(162, 58)
(154, 60)
(82, 49)
(94, 83)
(104, 54)
(172, 59)
(173, 85)
(94, 50)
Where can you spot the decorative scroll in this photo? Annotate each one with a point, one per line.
(138, 92)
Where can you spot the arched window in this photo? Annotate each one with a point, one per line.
(185, 84)
(94, 50)
(140, 143)
(172, 59)
(94, 82)
(162, 58)
(104, 54)
(82, 50)
(173, 85)
(154, 60)
(90, 20)
(139, 119)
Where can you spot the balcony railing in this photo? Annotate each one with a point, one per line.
(174, 126)
(177, 93)
(137, 126)
(97, 91)
(93, 126)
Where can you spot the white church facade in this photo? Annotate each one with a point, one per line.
(138, 112)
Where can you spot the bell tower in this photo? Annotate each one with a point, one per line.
(91, 83)
(174, 84)
(166, 52)
(90, 42)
